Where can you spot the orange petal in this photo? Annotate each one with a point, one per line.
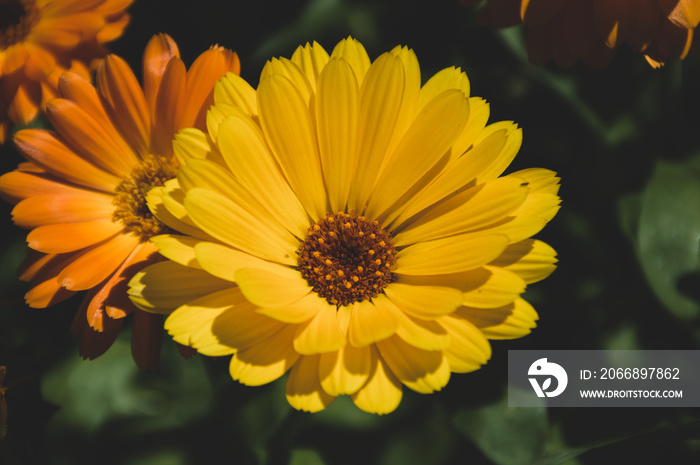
(95, 264)
(89, 138)
(121, 91)
(25, 104)
(21, 183)
(69, 237)
(159, 50)
(46, 150)
(169, 106)
(206, 70)
(51, 209)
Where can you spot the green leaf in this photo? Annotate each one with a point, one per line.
(305, 457)
(506, 435)
(668, 238)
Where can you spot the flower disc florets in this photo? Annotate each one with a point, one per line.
(16, 20)
(130, 199)
(346, 258)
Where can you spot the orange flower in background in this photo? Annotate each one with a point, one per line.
(83, 190)
(40, 40)
(590, 30)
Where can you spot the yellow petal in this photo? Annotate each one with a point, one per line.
(420, 370)
(509, 322)
(268, 289)
(243, 147)
(426, 302)
(372, 321)
(382, 393)
(424, 334)
(288, 127)
(304, 391)
(165, 286)
(179, 249)
(446, 79)
(458, 175)
(355, 54)
(229, 223)
(506, 155)
(530, 259)
(298, 312)
(220, 323)
(311, 59)
(381, 96)
(474, 208)
(346, 370)
(222, 261)
(501, 287)
(320, 334)
(234, 90)
(191, 143)
(337, 116)
(411, 92)
(449, 255)
(469, 349)
(423, 145)
(265, 362)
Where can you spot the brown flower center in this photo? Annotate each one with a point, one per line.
(130, 203)
(347, 258)
(17, 17)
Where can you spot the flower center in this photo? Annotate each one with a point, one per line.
(347, 258)
(17, 17)
(130, 203)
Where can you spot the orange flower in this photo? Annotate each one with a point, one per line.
(568, 30)
(40, 40)
(83, 191)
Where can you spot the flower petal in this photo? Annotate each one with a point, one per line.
(243, 147)
(474, 208)
(304, 391)
(508, 322)
(68, 237)
(159, 50)
(229, 223)
(372, 321)
(530, 259)
(420, 370)
(268, 289)
(165, 286)
(469, 349)
(346, 370)
(220, 323)
(71, 208)
(382, 393)
(298, 312)
(423, 145)
(95, 264)
(381, 96)
(46, 150)
(289, 130)
(426, 302)
(337, 119)
(449, 255)
(320, 334)
(265, 362)
(234, 90)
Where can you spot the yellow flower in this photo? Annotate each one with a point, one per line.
(82, 191)
(40, 40)
(568, 30)
(349, 225)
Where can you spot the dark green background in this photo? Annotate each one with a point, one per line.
(625, 141)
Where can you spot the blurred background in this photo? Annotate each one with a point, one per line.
(625, 141)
